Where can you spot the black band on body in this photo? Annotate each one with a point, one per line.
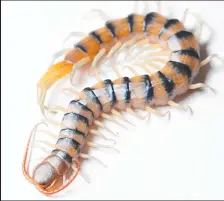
(149, 18)
(77, 103)
(93, 96)
(96, 36)
(127, 95)
(130, 19)
(81, 47)
(189, 52)
(148, 87)
(167, 83)
(62, 154)
(111, 28)
(72, 132)
(181, 69)
(77, 117)
(108, 84)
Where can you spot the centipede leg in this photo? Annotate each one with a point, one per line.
(114, 49)
(181, 107)
(99, 13)
(72, 91)
(100, 124)
(84, 177)
(132, 112)
(98, 133)
(184, 15)
(208, 59)
(99, 56)
(96, 145)
(156, 112)
(106, 116)
(86, 156)
(201, 85)
(77, 66)
(58, 54)
(115, 112)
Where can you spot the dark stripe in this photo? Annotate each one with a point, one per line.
(182, 69)
(149, 88)
(183, 34)
(189, 52)
(76, 117)
(149, 18)
(111, 28)
(96, 36)
(62, 154)
(170, 23)
(93, 96)
(71, 131)
(108, 84)
(127, 95)
(69, 142)
(167, 25)
(81, 47)
(84, 107)
(167, 83)
(131, 21)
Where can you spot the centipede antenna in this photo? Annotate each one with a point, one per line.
(30, 145)
(74, 34)
(85, 156)
(96, 145)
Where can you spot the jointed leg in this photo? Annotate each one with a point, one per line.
(201, 85)
(178, 106)
(156, 112)
(85, 156)
(96, 145)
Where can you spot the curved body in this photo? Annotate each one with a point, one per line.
(136, 92)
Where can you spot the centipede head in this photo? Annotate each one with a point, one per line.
(46, 178)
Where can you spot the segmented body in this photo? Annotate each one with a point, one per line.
(153, 26)
(136, 92)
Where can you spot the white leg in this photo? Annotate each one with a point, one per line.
(201, 85)
(106, 116)
(99, 56)
(130, 111)
(100, 13)
(72, 91)
(96, 145)
(156, 112)
(208, 59)
(114, 49)
(115, 112)
(97, 133)
(77, 66)
(115, 69)
(184, 15)
(181, 107)
(85, 156)
(100, 124)
(81, 174)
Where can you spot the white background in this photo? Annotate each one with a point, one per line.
(177, 159)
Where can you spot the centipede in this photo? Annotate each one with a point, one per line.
(143, 92)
